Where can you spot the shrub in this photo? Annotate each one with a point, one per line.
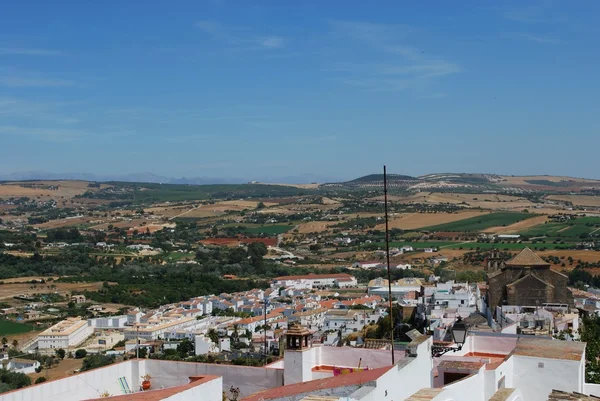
(80, 353)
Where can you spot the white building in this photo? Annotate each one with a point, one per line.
(68, 333)
(158, 328)
(454, 295)
(489, 366)
(315, 281)
(109, 322)
(26, 366)
(400, 288)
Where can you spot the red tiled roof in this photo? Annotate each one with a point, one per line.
(158, 395)
(350, 379)
(314, 276)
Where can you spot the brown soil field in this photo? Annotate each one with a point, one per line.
(519, 226)
(119, 224)
(315, 226)
(409, 221)
(220, 208)
(65, 368)
(8, 291)
(64, 223)
(329, 201)
(482, 200)
(27, 279)
(520, 180)
(169, 211)
(67, 189)
(577, 200)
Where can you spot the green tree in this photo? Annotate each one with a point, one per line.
(213, 335)
(80, 353)
(60, 353)
(185, 348)
(256, 251)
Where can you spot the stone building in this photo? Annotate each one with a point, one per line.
(526, 280)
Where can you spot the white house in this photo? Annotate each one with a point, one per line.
(68, 333)
(310, 281)
(26, 366)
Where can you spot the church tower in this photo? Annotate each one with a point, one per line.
(494, 262)
(299, 356)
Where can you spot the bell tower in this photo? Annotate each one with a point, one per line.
(299, 356)
(494, 262)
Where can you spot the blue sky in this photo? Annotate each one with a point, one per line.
(258, 89)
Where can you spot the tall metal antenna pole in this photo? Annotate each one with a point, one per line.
(387, 254)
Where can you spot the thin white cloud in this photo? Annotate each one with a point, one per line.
(437, 95)
(21, 51)
(529, 37)
(24, 82)
(54, 134)
(25, 109)
(239, 37)
(397, 64)
(274, 42)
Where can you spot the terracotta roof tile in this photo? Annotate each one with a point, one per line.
(350, 379)
(527, 258)
(469, 365)
(158, 395)
(553, 349)
(502, 394)
(425, 394)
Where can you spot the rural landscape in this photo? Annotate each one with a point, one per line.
(127, 245)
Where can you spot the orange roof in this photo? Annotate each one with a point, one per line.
(328, 304)
(350, 379)
(158, 395)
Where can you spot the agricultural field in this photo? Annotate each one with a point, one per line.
(411, 221)
(315, 226)
(274, 229)
(574, 229)
(8, 327)
(45, 189)
(577, 200)
(480, 223)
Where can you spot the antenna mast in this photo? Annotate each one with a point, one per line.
(387, 254)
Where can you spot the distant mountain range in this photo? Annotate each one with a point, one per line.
(153, 178)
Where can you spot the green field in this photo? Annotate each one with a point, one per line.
(137, 193)
(274, 229)
(576, 229)
(509, 246)
(415, 245)
(481, 223)
(470, 245)
(8, 328)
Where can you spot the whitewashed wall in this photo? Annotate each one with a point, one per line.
(210, 391)
(248, 379)
(537, 382)
(81, 386)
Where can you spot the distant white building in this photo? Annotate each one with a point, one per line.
(68, 333)
(315, 281)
